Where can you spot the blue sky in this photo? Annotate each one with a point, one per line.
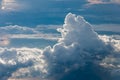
(35, 12)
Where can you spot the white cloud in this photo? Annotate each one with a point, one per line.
(103, 1)
(9, 5)
(4, 41)
(79, 44)
(14, 31)
(113, 40)
(95, 1)
(78, 48)
(17, 58)
(17, 30)
(35, 36)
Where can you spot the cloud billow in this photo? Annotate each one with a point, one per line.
(79, 45)
(79, 54)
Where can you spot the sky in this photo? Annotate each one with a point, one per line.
(59, 39)
(35, 12)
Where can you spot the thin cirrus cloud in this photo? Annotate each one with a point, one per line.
(9, 4)
(103, 1)
(11, 33)
(41, 31)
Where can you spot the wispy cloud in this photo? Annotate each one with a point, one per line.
(95, 1)
(107, 27)
(9, 5)
(103, 1)
(39, 32)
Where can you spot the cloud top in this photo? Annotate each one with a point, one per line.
(77, 30)
(79, 45)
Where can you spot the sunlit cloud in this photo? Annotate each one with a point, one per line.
(4, 41)
(9, 5)
(78, 48)
(103, 1)
(95, 1)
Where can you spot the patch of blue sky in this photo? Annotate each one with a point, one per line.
(30, 43)
(45, 12)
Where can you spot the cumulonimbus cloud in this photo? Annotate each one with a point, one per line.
(79, 52)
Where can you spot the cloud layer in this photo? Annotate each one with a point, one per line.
(13, 32)
(103, 1)
(80, 52)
